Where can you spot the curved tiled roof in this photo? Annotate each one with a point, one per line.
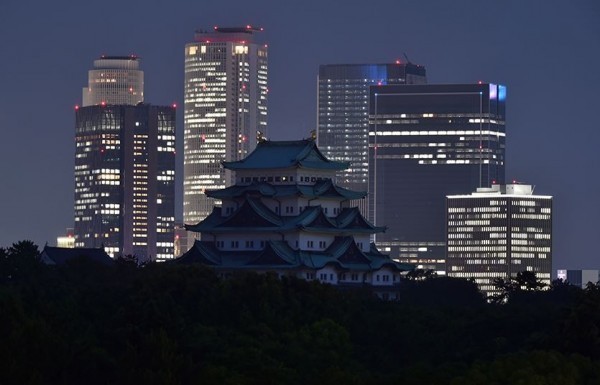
(254, 216)
(343, 253)
(286, 154)
(324, 188)
(61, 255)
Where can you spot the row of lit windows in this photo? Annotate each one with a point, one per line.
(477, 216)
(480, 242)
(476, 248)
(531, 216)
(434, 133)
(531, 249)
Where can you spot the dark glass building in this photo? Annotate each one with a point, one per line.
(125, 179)
(343, 113)
(426, 142)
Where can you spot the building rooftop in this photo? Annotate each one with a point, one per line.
(512, 190)
(343, 253)
(322, 188)
(62, 255)
(255, 216)
(286, 154)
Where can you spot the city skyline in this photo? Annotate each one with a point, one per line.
(536, 51)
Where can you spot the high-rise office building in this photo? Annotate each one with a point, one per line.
(497, 232)
(114, 80)
(426, 142)
(343, 114)
(225, 107)
(125, 178)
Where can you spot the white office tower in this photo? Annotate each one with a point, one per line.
(497, 232)
(114, 80)
(225, 109)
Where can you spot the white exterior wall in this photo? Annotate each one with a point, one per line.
(304, 238)
(327, 274)
(363, 241)
(384, 277)
(256, 238)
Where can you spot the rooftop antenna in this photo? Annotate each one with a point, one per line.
(406, 57)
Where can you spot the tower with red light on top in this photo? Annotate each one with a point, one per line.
(225, 104)
(115, 80)
(124, 165)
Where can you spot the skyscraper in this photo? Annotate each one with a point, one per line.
(225, 106)
(426, 142)
(497, 232)
(125, 179)
(343, 114)
(114, 80)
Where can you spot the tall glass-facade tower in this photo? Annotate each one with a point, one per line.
(225, 108)
(343, 114)
(124, 165)
(427, 142)
(125, 179)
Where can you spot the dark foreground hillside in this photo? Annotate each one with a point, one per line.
(165, 324)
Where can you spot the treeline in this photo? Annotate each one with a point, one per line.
(84, 323)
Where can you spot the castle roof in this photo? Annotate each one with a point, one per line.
(61, 255)
(324, 188)
(286, 154)
(343, 253)
(254, 216)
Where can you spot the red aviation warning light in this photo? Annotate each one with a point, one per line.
(76, 107)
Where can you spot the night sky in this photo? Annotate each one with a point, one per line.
(546, 52)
